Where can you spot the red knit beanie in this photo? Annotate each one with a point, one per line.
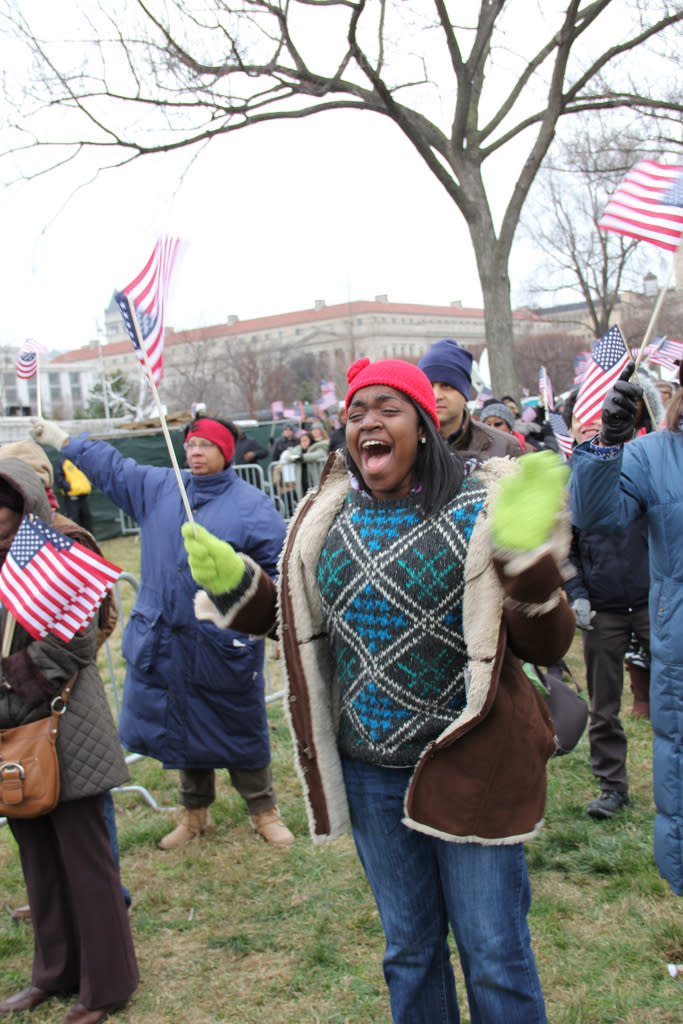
(211, 430)
(395, 373)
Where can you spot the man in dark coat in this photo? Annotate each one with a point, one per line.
(449, 368)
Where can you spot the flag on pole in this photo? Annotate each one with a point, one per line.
(608, 358)
(564, 439)
(648, 205)
(545, 389)
(51, 583)
(146, 297)
(27, 359)
(668, 354)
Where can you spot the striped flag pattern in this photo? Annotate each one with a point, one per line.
(51, 583)
(26, 365)
(608, 358)
(144, 300)
(564, 439)
(648, 204)
(668, 354)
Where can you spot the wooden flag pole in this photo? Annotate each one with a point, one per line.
(162, 418)
(8, 635)
(653, 318)
(648, 335)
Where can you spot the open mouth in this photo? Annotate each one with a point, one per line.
(375, 454)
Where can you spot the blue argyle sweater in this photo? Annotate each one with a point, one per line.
(391, 582)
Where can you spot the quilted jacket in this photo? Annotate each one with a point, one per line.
(90, 757)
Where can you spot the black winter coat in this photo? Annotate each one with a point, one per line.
(612, 572)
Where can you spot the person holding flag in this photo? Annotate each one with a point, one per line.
(612, 484)
(194, 695)
(82, 939)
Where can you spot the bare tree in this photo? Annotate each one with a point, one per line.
(555, 351)
(562, 215)
(490, 88)
(195, 374)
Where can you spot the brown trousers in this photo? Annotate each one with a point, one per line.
(198, 788)
(82, 938)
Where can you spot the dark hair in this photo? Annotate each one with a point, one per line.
(439, 470)
(195, 423)
(568, 407)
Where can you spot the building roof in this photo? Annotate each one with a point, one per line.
(320, 313)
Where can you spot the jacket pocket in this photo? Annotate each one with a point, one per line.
(228, 663)
(140, 642)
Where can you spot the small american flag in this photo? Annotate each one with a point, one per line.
(545, 389)
(564, 439)
(146, 296)
(648, 205)
(51, 583)
(26, 365)
(608, 358)
(668, 354)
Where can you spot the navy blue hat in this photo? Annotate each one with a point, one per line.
(447, 362)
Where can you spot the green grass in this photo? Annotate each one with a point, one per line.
(231, 930)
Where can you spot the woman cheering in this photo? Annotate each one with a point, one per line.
(408, 593)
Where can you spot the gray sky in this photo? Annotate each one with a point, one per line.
(337, 207)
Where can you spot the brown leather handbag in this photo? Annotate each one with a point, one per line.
(29, 769)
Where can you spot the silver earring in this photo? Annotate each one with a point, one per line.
(423, 440)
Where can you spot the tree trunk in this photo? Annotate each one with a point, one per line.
(495, 286)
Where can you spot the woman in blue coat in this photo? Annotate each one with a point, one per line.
(612, 484)
(194, 695)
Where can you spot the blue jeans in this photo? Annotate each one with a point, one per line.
(110, 818)
(422, 884)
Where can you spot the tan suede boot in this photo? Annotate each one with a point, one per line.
(270, 825)
(640, 687)
(192, 823)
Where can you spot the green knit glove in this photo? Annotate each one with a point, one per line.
(529, 501)
(214, 564)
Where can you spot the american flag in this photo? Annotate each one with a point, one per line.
(668, 354)
(27, 359)
(545, 389)
(608, 358)
(648, 205)
(564, 439)
(51, 583)
(146, 295)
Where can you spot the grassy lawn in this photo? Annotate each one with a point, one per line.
(231, 930)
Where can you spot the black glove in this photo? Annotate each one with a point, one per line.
(620, 409)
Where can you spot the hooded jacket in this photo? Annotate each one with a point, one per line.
(483, 779)
(90, 757)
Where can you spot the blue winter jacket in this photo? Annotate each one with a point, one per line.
(646, 477)
(193, 694)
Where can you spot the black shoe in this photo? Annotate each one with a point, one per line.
(607, 804)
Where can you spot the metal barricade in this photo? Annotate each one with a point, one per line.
(252, 473)
(283, 487)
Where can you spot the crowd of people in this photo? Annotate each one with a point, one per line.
(432, 550)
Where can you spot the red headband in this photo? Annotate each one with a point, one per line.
(215, 432)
